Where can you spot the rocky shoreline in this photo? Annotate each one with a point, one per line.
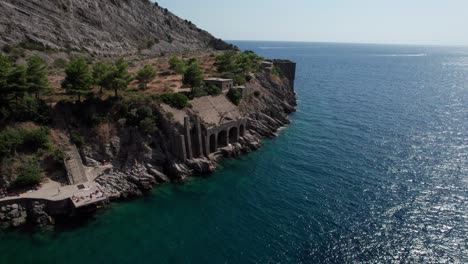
(142, 162)
(266, 116)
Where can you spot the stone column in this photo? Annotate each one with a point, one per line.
(188, 138)
(181, 153)
(198, 136)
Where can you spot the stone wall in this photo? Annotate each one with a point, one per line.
(288, 68)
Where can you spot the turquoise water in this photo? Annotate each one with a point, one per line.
(374, 168)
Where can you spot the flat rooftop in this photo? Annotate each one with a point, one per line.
(217, 80)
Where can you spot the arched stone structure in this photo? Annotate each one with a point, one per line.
(222, 139)
(213, 145)
(198, 140)
(233, 135)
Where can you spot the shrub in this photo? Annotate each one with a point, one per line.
(36, 138)
(257, 93)
(235, 96)
(13, 138)
(176, 100)
(213, 90)
(32, 45)
(57, 155)
(10, 139)
(147, 125)
(198, 92)
(177, 65)
(151, 42)
(145, 76)
(77, 139)
(29, 174)
(238, 78)
(277, 71)
(60, 63)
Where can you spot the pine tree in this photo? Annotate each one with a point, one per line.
(5, 71)
(193, 74)
(119, 77)
(146, 75)
(37, 76)
(18, 82)
(101, 71)
(78, 78)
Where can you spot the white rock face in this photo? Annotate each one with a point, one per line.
(104, 27)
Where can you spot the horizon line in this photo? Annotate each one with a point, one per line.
(356, 43)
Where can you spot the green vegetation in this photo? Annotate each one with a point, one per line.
(236, 65)
(177, 65)
(277, 71)
(146, 75)
(32, 45)
(118, 78)
(30, 174)
(14, 139)
(36, 75)
(176, 100)
(235, 96)
(77, 139)
(193, 76)
(19, 150)
(60, 63)
(78, 78)
(212, 90)
(150, 43)
(101, 72)
(20, 89)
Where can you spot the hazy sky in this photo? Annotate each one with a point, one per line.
(367, 21)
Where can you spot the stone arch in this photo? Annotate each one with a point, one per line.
(213, 146)
(222, 139)
(233, 135)
(241, 130)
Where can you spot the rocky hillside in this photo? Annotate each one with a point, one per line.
(105, 27)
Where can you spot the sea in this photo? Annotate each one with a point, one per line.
(372, 169)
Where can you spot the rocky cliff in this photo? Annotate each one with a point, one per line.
(105, 27)
(141, 161)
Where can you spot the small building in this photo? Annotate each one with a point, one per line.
(267, 66)
(223, 84)
(243, 90)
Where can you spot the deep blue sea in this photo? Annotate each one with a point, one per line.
(373, 169)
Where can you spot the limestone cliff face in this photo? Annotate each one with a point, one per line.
(104, 27)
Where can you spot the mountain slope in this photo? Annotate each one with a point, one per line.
(104, 27)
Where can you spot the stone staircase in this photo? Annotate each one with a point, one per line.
(76, 172)
(75, 169)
